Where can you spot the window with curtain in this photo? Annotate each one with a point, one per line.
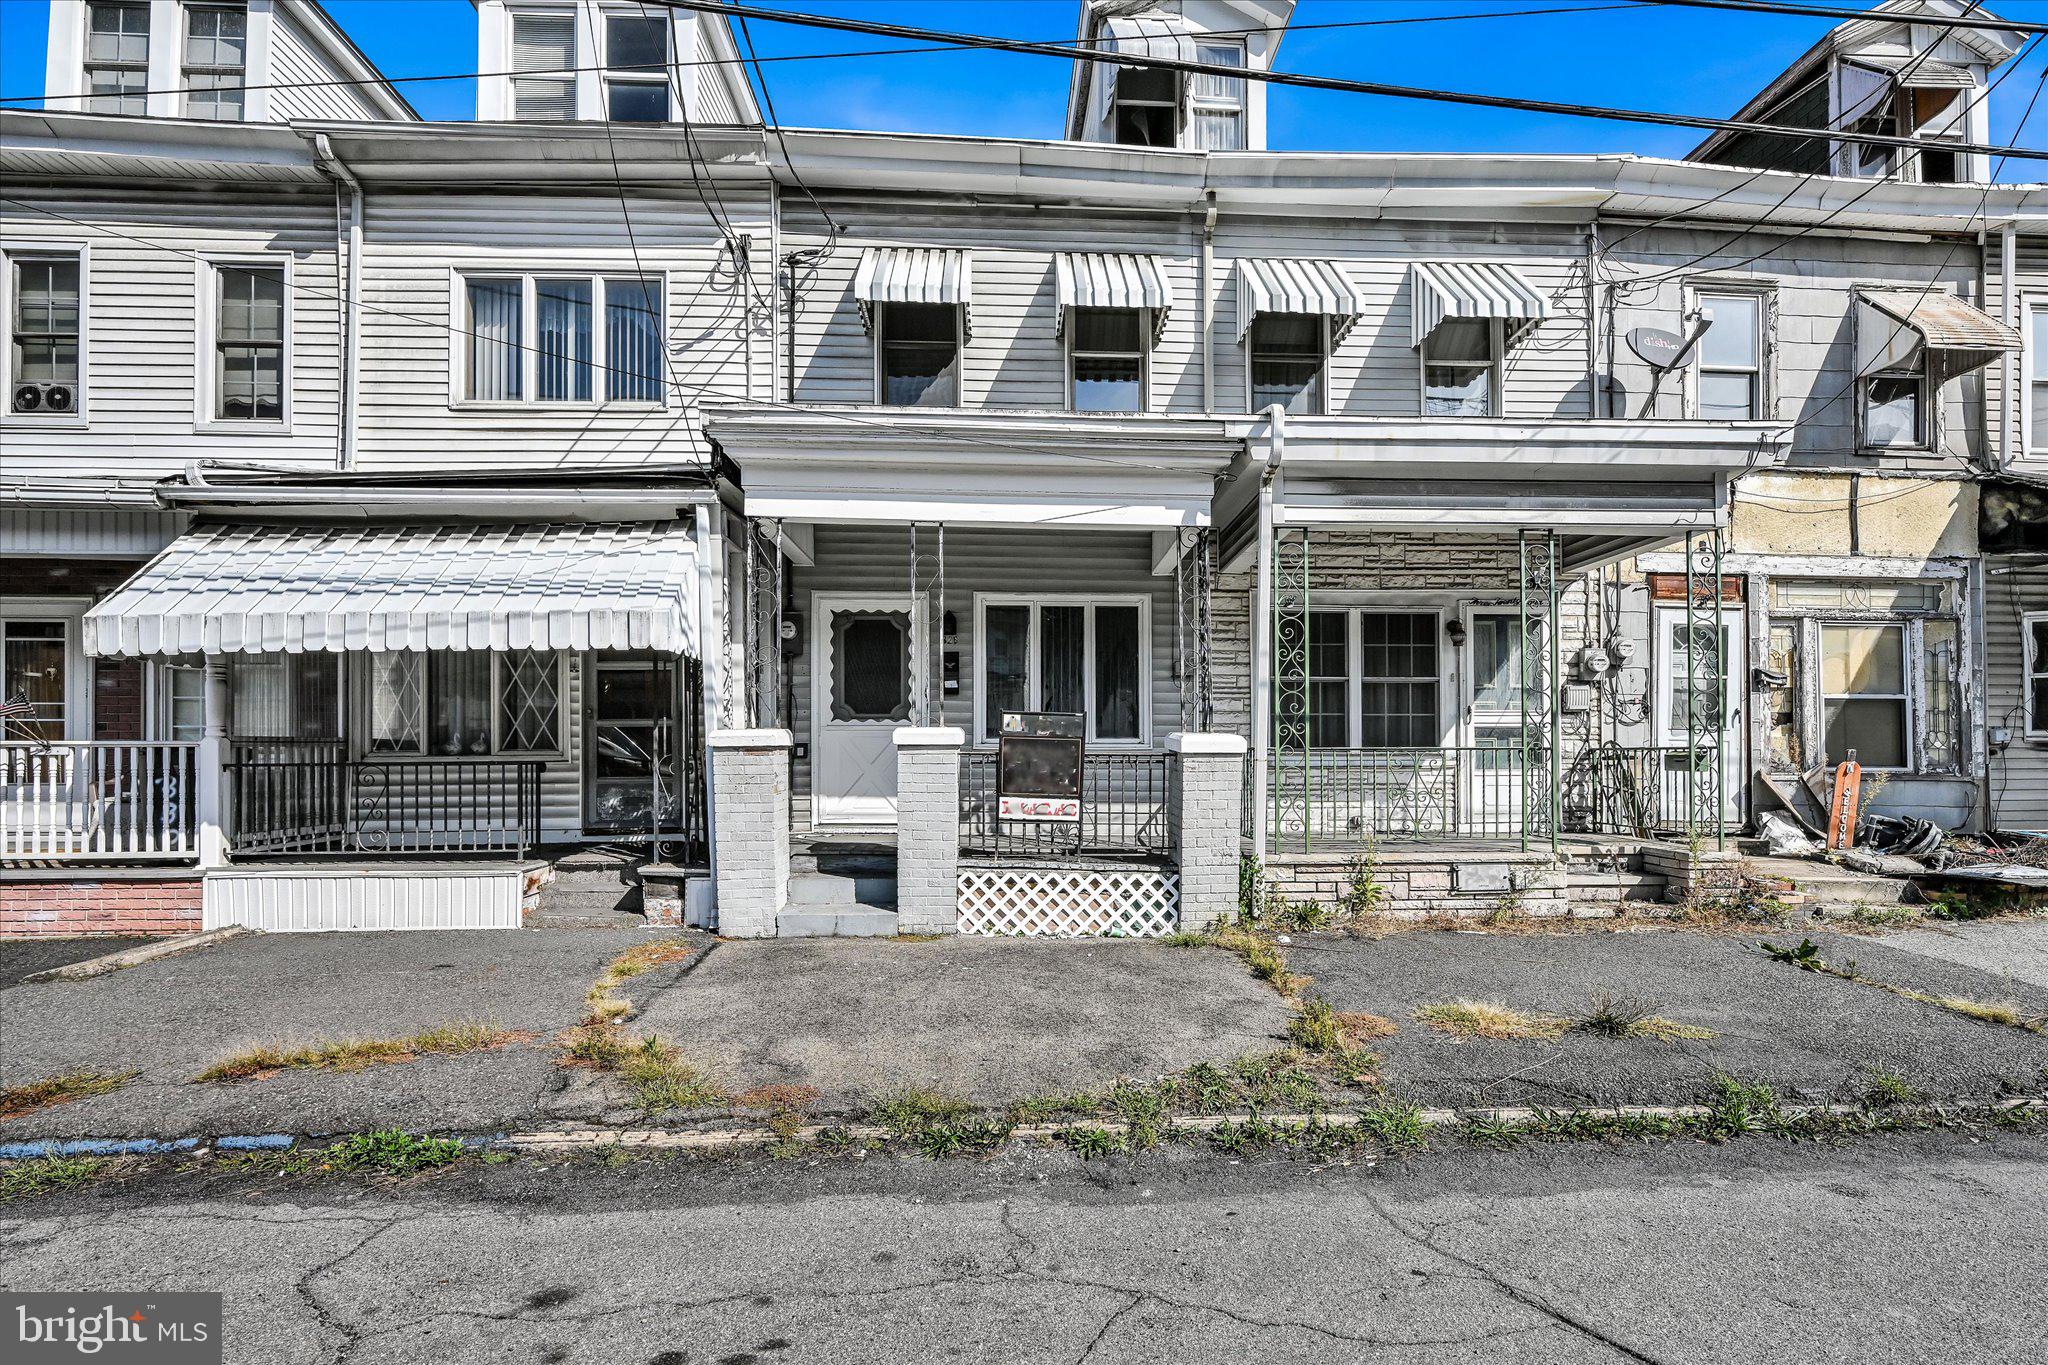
(44, 330)
(1107, 359)
(543, 65)
(2037, 378)
(1461, 369)
(117, 58)
(1086, 657)
(636, 80)
(535, 338)
(215, 60)
(1496, 662)
(1729, 359)
(1286, 352)
(495, 340)
(248, 342)
(562, 340)
(1863, 694)
(464, 703)
(633, 332)
(920, 354)
(1895, 406)
(1216, 103)
(282, 696)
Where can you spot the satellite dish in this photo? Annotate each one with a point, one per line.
(1659, 349)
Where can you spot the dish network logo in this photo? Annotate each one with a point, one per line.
(90, 1332)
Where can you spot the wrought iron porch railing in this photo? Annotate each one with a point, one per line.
(97, 801)
(1346, 796)
(1124, 810)
(290, 796)
(1642, 790)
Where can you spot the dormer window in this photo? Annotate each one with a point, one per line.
(636, 86)
(1216, 103)
(117, 59)
(544, 67)
(1146, 112)
(215, 60)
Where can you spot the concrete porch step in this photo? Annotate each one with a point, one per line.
(833, 891)
(820, 922)
(1826, 884)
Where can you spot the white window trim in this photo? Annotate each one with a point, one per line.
(358, 705)
(78, 688)
(1241, 106)
(881, 315)
(186, 70)
(1496, 343)
(34, 249)
(1909, 699)
(1930, 434)
(1144, 360)
(206, 271)
(1697, 292)
(1326, 406)
(1142, 601)
(602, 42)
(2029, 356)
(1448, 704)
(460, 335)
(579, 41)
(2032, 666)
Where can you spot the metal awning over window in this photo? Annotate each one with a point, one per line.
(1101, 279)
(914, 274)
(264, 588)
(1916, 72)
(1157, 34)
(1892, 325)
(1322, 287)
(1442, 290)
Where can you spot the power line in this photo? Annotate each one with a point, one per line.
(1923, 19)
(1331, 83)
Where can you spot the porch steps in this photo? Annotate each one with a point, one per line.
(840, 890)
(591, 888)
(1611, 875)
(1828, 887)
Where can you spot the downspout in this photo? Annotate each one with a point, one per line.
(1262, 629)
(1208, 301)
(351, 354)
(2008, 364)
(1594, 387)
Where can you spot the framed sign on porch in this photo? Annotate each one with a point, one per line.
(1040, 758)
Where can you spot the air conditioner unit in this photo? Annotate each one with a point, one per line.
(59, 398)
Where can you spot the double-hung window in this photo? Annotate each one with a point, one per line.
(215, 60)
(464, 703)
(1461, 368)
(1066, 654)
(277, 696)
(544, 67)
(1895, 405)
(2034, 417)
(1730, 358)
(1146, 108)
(1375, 679)
(249, 343)
(919, 351)
(636, 66)
(536, 338)
(2035, 643)
(1863, 694)
(45, 331)
(117, 58)
(1216, 103)
(1106, 360)
(1287, 353)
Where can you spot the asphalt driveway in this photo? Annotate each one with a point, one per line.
(1811, 1035)
(20, 957)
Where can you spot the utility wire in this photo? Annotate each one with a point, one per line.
(1965, 21)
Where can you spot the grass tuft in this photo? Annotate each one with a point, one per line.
(390, 1152)
(43, 1174)
(1989, 1011)
(1616, 1016)
(910, 1111)
(781, 1099)
(353, 1054)
(1395, 1123)
(1260, 954)
(1889, 1088)
(1489, 1019)
(659, 1080)
(1739, 1107)
(19, 1100)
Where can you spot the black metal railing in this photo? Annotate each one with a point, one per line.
(1125, 810)
(1641, 790)
(296, 796)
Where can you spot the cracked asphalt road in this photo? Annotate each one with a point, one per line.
(1909, 1248)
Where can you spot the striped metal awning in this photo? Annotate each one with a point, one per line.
(1442, 290)
(1102, 279)
(1893, 324)
(1298, 286)
(1918, 72)
(261, 588)
(1158, 34)
(914, 274)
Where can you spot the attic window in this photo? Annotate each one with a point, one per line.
(1216, 111)
(636, 88)
(543, 66)
(1147, 107)
(216, 58)
(117, 59)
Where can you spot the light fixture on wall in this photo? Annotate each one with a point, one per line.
(1454, 631)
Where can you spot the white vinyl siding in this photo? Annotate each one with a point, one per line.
(302, 82)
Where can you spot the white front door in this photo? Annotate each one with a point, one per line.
(861, 664)
(1673, 733)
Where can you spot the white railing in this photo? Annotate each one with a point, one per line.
(97, 801)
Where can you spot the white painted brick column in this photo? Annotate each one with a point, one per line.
(928, 829)
(1207, 800)
(750, 828)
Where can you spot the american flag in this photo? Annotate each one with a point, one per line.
(16, 707)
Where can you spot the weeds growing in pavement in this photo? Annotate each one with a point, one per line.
(1364, 894)
(1041, 1108)
(1489, 1019)
(1184, 939)
(354, 1054)
(1739, 1107)
(1251, 889)
(1664, 1030)
(602, 1004)
(909, 1112)
(1614, 1015)
(19, 1100)
(777, 1099)
(44, 1174)
(390, 1152)
(1807, 958)
(1263, 957)
(1395, 1123)
(659, 1080)
(1889, 1088)
(1093, 1143)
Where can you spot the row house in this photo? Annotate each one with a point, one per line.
(436, 500)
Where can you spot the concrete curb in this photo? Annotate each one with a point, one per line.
(135, 957)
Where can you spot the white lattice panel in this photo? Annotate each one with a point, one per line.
(1047, 902)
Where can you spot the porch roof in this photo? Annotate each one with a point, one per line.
(254, 588)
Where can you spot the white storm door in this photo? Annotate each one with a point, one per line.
(860, 694)
(1673, 733)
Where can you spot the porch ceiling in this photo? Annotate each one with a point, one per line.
(230, 588)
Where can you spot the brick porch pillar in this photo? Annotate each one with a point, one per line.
(928, 829)
(1206, 805)
(750, 829)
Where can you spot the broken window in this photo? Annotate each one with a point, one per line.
(1863, 694)
(1781, 698)
(1147, 106)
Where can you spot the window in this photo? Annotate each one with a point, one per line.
(2035, 416)
(1937, 116)
(1146, 107)
(32, 672)
(920, 354)
(249, 344)
(216, 56)
(117, 59)
(1461, 368)
(2036, 644)
(1216, 107)
(44, 333)
(1863, 694)
(464, 703)
(1287, 351)
(534, 337)
(1106, 360)
(543, 66)
(181, 701)
(1496, 663)
(1895, 406)
(1329, 679)
(1400, 701)
(636, 85)
(282, 696)
(1061, 654)
(1730, 358)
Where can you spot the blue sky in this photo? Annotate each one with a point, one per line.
(1645, 57)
